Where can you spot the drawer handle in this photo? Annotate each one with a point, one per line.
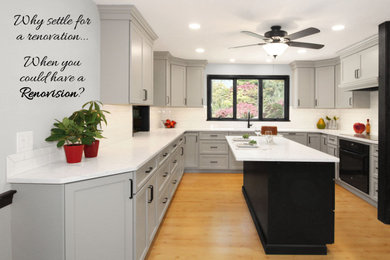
(165, 174)
(213, 161)
(174, 182)
(181, 139)
(292, 133)
(175, 161)
(213, 135)
(174, 145)
(213, 147)
(165, 154)
(330, 139)
(165, 200)
(150, 170)
(376, 168)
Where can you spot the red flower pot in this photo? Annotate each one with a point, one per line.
(74, 152)
(91, 150)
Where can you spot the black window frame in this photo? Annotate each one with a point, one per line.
(286, 79)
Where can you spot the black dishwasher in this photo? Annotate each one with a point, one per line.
(354, 164)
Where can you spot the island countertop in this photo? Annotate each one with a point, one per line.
(282, 150)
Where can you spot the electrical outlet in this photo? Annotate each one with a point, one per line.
(24, 141)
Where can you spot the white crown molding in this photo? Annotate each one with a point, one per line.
(165, 55)
(359, 46)
(126, 12)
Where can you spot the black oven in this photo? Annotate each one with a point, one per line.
(354, 164)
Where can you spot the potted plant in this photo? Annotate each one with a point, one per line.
(90, 117)
(69, 134)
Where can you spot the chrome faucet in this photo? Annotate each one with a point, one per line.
(249, 120)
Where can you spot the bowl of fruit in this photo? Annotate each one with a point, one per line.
(169, 123)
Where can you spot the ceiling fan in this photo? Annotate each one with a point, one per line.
(277, 41)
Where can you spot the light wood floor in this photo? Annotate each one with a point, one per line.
(209, 219)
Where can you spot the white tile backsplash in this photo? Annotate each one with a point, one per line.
(299, 118)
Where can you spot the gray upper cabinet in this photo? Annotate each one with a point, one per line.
(315, 85)
(178, 85)
(350, 99)
(126, 56)
(195, 86)
(303, 86)
(324, 87)
(162, 82)
(359, 65)
(178, 82)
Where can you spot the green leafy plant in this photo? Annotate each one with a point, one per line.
(245, 136)
(67, 132)
(328, 118)
(90, 117)
(252, 142)
(336, 118)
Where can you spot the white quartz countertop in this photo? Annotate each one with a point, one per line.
(339, 133)
(116, 158)
(132, 153)
(280, 150)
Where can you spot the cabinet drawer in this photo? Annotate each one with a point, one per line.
(163, 155)
(375, 168)
(213, 147)
(174, 160)
(375, 189)
(375, 150)
(143, 174)
(174, 182)
(162, 203)
(213, 135)
(163, 175)
(332, 140)
(214, 162)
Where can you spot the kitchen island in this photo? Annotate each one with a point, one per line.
(289, 190)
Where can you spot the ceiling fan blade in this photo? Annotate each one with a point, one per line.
(303, 33)
(255, 35)
(305, 45)
(242, 46)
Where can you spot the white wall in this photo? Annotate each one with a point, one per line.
(19, 114)
(299, 118)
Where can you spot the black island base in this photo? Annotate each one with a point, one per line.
(292, 205)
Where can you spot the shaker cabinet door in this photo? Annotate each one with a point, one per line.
(178, 85)
(98, 219)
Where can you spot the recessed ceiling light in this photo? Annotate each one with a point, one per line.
(338, 27)
(194, 26)
(232, 60)
(302, 51)
(199, 50)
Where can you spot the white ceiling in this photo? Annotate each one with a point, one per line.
(222, 20)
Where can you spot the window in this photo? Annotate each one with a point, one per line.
(232, 97)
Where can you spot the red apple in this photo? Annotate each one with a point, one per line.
(359, 128)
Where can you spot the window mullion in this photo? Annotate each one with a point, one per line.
(234, 99)
(260, 109)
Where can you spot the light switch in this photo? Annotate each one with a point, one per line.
(24, 141)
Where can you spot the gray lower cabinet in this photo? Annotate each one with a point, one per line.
(214, 151)
(297, 137)
(324, 143)
(191, 147)
(314, 141)
(72, 221)
(114, 217)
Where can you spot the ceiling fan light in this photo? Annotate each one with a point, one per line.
(275, 49)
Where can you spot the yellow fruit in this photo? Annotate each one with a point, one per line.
(321, 124)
